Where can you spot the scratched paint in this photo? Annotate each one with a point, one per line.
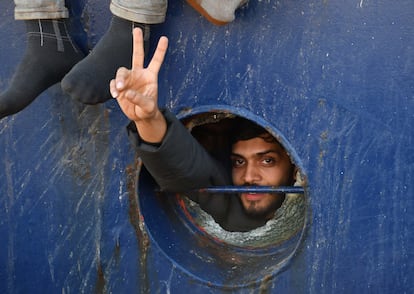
(137, 222)
(334, 77)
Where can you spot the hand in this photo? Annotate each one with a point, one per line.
(136, 90)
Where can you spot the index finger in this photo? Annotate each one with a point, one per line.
(159, 54)
(138, 49)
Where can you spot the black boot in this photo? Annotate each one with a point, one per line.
(50, 54)
(88, 81)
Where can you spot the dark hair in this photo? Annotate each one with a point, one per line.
(244, 129)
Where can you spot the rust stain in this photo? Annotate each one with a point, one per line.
(137, 221)
(100, 280)
(265, 285)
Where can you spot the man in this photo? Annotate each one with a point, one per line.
(179, 163)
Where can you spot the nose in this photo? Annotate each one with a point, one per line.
(251, 175)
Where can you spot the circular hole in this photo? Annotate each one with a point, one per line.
(199, 246)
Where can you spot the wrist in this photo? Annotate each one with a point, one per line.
(153, 129)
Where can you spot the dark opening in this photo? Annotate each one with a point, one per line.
(214, 131)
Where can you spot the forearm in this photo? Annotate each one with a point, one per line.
(179, 163)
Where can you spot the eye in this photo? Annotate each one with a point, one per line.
(237, 162)
(268, 161)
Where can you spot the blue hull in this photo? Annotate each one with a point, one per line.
(335, 79)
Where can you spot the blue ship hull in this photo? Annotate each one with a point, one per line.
(334, 79)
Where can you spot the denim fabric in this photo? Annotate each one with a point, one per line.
(40, 9)
(142, 11)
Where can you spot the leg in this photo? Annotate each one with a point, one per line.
(89, 80)
(40, 9)
(49, 55)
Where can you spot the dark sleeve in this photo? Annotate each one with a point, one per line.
(179, 163)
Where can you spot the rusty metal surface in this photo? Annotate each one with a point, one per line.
(334, 78)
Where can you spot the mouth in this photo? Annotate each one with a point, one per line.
(252, 196)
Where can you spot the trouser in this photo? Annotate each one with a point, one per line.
(142, 11)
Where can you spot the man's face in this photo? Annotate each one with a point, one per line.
(261, 163)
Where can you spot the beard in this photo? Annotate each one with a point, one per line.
(257, 211)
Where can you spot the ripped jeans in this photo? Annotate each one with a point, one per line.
(142, 11)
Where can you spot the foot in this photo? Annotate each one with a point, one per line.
(217, 12)
(88, 81)
(49, 55)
